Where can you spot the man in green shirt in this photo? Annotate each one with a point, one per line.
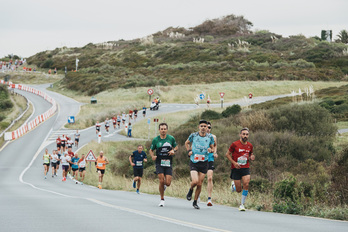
(165, 147)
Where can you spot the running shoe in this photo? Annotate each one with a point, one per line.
(52, 176)
(161, 204)
(241, 208)
(233, 186)
(81, 183)
(45, 177)
(195, 205)
(209, 203)
(134, 184)
(99, 186)
(138, 191)
(189, 195)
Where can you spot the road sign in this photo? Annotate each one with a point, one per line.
(71, 119)
(150, 91)
(155, 119)
(201, 96)
(222, 94)
(148, 121)
(90, 156)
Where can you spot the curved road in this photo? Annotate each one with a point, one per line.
(30, 203)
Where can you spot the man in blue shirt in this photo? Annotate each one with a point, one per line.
(136, 160)
(198, 146)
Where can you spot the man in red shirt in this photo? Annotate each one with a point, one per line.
(58, 141)
(239, 154)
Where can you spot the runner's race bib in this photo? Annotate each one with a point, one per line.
(165, 163)
(199, 157)
(139, 163)
(242, 160)
(100, 164)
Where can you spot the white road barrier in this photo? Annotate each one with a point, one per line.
(25, 128)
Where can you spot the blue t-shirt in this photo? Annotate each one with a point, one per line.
(200, 146)
(211, 156)
(138, 158)
(74, 161)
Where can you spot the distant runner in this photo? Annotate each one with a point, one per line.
(114, 122)
(75, 166)
(136, 160)
(165, 146)
(46, 162)
(54, 162)
(65, 161)
(144, 111)
(107, 125)
(82, 168)
(101, 163)
(97, 127)
(77, 138)
(212, 156)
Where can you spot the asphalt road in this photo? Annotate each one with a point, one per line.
(28, 202)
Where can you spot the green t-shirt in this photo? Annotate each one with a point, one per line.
(162, 147)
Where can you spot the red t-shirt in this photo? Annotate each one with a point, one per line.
(58, 141)
(250, 95)
(71, 154)
(239, 150)
(114, 120)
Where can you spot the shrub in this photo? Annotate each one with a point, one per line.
(210, 115)
(231, 110)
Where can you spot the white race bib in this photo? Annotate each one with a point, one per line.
(165, 163)
(242, 160)
(139, 163)
(199, 157)
(100, 164)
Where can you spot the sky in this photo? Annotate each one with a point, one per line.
(31, 26)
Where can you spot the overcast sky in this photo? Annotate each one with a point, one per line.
(31, 26)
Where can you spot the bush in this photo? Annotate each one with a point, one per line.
(231, 110)
(210, 115)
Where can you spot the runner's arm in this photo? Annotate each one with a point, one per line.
(229, 157)
(152, 155)
(188, 147)
(130, 161)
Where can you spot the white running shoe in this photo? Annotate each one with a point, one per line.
(241, 208)
(209, 203)
(161, 204)
(233, 186)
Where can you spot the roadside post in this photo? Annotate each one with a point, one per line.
(155, 120)
(150, 92)
(99, 137)
(148, 134)
(222, 99)
(90, 157)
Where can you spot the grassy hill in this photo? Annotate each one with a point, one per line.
(217, 50)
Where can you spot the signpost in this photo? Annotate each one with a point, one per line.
(222, 94)
(201, 96)
(90, 157)
(71, 119)
(150, 92)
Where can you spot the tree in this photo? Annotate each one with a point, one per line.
(343, 36)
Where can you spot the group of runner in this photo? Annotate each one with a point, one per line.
(201, 148)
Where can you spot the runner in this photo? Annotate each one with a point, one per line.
(69, 143)
(65, 160)
(114, 122)
(75, 166)
(136, 160)
(119, 121)
(58, 142)
(107, 125)
(129, 134)
(144, 111)
(58, 162)
(198, 145)
(165, 147)
(54, 162)
(123, 118)
(63, 142)
(101, 163)
(71, 154)
(77, 138)
(211, 167)
(135, 114)
(82, 168)
(97, 127)
(239, 154)
(130, 115)
(46, 162)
